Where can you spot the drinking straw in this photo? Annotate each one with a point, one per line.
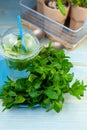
(21, 31)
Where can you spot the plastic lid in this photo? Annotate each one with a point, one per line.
(11, 44)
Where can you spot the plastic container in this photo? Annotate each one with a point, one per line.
(69, 38)
(16, 58)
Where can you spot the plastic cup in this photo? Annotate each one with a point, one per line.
(17, 60)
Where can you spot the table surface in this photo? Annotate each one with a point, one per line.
(74, 113)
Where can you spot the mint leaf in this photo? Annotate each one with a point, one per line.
(12, 93)
(57, 106)
(78, 89)
(51, 93)
(19, 99)
(37, 84)
(34, 94)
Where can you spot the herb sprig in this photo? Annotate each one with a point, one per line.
(81, 3)
(49, 80)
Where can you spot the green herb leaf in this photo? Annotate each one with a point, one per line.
(57, 106)
(19, 99)
(51, 93)
(78, 89)
(34, 94)
(12, 93)
(37, 84)
(61, 7)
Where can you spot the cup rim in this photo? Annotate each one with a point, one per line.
(21, 57)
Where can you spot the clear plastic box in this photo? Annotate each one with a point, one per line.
(69, 38)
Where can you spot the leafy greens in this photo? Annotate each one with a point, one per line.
(49, 80)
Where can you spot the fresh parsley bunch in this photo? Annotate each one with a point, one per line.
(49, 80)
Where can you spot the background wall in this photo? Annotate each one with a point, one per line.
(9, 9)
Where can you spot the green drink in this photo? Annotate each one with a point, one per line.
(18, 59)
